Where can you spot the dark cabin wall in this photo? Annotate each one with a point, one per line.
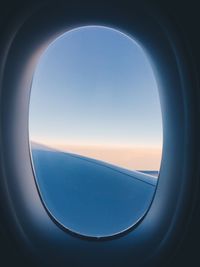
(185, 18)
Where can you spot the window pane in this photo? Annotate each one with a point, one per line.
(95, 131)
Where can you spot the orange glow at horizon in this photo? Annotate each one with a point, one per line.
(133, 158)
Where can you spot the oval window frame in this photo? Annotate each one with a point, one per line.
(175, 124)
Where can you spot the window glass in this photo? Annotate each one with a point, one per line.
(95, 131)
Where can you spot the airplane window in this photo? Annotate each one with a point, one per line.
(95, 131)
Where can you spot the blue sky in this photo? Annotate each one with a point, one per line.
(95, 86)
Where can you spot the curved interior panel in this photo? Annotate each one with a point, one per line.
(95, 131)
